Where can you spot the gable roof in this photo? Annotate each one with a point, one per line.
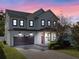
(35, 15)
(50, 14)
(38, 12)
(13, 13)
(53, 15)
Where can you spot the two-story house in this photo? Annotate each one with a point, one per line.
(22, 28)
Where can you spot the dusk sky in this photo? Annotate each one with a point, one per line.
(65, 7)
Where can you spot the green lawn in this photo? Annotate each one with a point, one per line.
(12, 53)
(72, 52)
(9, 52)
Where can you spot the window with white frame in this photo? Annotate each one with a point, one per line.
(54, 23)
(31, 23)
(54, 36)
(42, 22)
(14, 22)
(21, 23)
(48, 23)
(48, 35)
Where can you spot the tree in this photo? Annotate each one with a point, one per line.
(75, 32)
(2, 23)
(65, 24)
(66, 30)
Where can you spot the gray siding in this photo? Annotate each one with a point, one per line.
(37, 22)
(7, 33)
(48, 15)
(18, 22)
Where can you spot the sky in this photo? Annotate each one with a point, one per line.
(59, 7)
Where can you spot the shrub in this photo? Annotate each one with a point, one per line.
(53, 45)
(60, 44)
(1, 44)
(4, 42)
(64, 43)
(2, 54)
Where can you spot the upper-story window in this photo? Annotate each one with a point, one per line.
(54, 23)
(21, 23)
(31, 23)
(14, 22)
(48, 23)
(43, 22)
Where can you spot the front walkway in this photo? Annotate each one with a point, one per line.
(46, 54)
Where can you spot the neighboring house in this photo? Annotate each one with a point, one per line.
(30, 28)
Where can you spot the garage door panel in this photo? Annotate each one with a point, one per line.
(23, 40)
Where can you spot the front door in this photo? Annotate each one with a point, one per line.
(42, 38)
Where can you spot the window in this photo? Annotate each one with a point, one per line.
(14, 22)
(54, 23)
(42, 22)
(31, 23)
(21, 23)
(48, 23)
(48, 35)
(54, 36)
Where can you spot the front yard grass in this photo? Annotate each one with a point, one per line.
(70, 51)
(9, 52)
(12, 53)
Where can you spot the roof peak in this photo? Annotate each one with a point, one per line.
(39, 10)
(49, 10)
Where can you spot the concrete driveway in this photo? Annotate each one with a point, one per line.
(38, 47)
(34, 53)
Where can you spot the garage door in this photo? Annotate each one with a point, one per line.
(23, 40)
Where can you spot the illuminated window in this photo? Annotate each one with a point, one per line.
(31, 23)
(14, 22)
(54, 23)
(48, 23)
(42, 22)
(54, 36)
(48, 34)
(21, 23)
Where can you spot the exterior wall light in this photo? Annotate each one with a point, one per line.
(20, 35)
(31, 34)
